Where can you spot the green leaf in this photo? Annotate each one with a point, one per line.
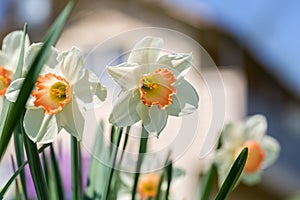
(97, 171)
(207, 182)
(35, 167)
(11, 180)
(125, 143)
(35, 67)
(233, 176)
(57, 175)
(112, 163)
(76, 169)
(18, 142)
(46, 168)
(169, 170)
(14, 176)
(18, 194)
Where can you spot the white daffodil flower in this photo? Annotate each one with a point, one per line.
(62, 92)
(153, 87)
(9, 58)
(263, 150)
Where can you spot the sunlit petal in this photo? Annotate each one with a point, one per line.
(39, 127)
(256, 127)
(124, 111)
(71, 65)
(32, 52)
(271, 148)
(11, 47)
(154, 119)
(179, 62)
(186, 100)
(146, 51)
(125, 75)
(71, 119)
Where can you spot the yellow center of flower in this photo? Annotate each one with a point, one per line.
(5, 79)
(147, 186)
(58, 91)
(256, 156)
(157, 88)
(52, 94)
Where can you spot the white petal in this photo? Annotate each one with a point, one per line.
(13, 90)
(71, 65)
(4, 60)
(90, 91)
(179, 62)
(256, 127)
(146, 51)
(185, 101)
(11, 47)
(125, 75)
(12, 43)
(32, 52)
(124, 110)
(233, 135)
(272, 149)
(39, 127)
(1, 102)
(71, 119)
(251, 179)
(154, 119)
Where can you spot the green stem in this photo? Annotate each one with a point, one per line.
(35, 167)
(18, 142)
(76, 169)
(142, 150)
(14, 176)
(169, 172)
(112, 166)
(125, 143)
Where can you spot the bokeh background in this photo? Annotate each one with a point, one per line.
(253, 41)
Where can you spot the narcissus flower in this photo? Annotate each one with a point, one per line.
(9, 58)
(63, 91)
(148, 185)
(153, 87)
(263, 150)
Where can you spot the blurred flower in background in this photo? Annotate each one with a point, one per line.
(263, 150)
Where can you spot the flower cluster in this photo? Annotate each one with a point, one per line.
(62, 92)
(263, 150)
